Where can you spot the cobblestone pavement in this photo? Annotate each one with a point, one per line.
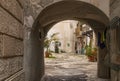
(66, 66)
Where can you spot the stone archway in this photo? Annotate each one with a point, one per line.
(62, 10)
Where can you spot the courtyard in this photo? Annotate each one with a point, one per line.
(69, 64)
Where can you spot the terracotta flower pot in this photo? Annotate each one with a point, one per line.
(47, 54)
(91, 58)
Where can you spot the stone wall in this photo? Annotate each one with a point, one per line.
(32, 10)
(9, 66)
(11, 29)
(114, 11)
(11, 38)
(34, 7)
(114, 8)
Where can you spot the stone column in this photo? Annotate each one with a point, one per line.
(103, 69)
(33, 52)
(34, 57)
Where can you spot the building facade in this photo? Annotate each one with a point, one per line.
(66, 30)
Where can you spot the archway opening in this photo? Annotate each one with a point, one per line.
(70, 44)
(63, 10)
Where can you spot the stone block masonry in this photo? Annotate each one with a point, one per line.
(10, 46)
(9, 66)
(11, 39)
(13, 7)
(10, 25)
(19, 76)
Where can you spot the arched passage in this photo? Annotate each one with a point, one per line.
(63, 10)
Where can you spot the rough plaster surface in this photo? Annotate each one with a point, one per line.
(9, 66)
(32, 8)
(29, 21)
(44, 3)
(114, 9)
(37, 5)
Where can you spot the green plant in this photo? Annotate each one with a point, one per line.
(88, 50)
(91, 53)
(48, 41)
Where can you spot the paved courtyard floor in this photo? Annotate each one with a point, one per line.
(70, 65)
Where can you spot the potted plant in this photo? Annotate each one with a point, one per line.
(94, 52)
(47, 43)
(91, 53)
(88, 52)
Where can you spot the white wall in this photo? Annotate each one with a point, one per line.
(66, 31)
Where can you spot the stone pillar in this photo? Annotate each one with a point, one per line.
(103, 69)
(34, 55)
(114, 54)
